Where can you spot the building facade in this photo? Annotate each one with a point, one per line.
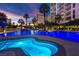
(52, 11)
(69, 11)
(9, 21)
(40, 18)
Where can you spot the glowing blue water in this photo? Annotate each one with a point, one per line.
(31, 46)
(72, 36)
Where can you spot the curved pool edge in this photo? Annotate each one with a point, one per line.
(61, 49)
(59, 53)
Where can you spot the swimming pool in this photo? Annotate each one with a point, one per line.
(31, 46)
(65, 35)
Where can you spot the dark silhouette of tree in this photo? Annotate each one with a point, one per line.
(21, 21)
(44, 8)
(58, 18)
(26, 16)
(72, 22)
(3, 17)
(3, 20)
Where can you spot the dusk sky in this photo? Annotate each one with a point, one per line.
(17, 10)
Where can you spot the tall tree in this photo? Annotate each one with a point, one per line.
(21, 21)
(58, 18)
(26, 16)
(3, 17)
(44, 8)
(3, 20)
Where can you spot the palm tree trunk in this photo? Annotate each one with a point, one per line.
(26, 21)
(44, 22)
(21, 26)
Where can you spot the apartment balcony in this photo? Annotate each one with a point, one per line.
(68, 18)
(68, 13)
(68, 7)
(68, 4)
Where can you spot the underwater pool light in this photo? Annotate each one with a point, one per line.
(20, 42)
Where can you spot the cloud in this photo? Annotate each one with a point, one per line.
(10, 15)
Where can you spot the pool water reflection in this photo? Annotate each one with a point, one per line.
(65, 35)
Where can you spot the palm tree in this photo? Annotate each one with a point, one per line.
(44, 8)
(26, 16)
(34, 21)
(58, 18)
(3, 20)
(21, 21)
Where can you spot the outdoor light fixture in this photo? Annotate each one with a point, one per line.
(5, 34)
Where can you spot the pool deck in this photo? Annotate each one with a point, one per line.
(12, 52)
(71, 48)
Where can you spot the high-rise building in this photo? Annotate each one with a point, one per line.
(9, 21)
(69, 11)
(52, 12)
(40, 18)
(55, 9)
